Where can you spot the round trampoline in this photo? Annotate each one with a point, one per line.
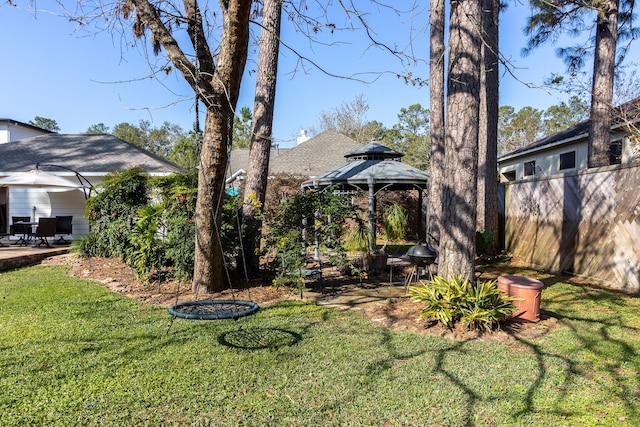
(213, 309)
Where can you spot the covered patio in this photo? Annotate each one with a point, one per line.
(12, 256)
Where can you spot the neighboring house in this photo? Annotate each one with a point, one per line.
(93, 156)
(567, 151)
(13, 130)
(311, 157)
(239, 163)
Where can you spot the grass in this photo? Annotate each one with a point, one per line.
(74, 353)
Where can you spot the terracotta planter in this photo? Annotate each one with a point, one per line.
(375, 263)
(529, 292)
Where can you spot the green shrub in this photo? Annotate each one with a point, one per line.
(484, 239)
(480, 306)
(145, 249)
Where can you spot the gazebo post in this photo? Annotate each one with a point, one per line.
(420, 213)
(304, 229)
(316, 239)
(304, 235)
(372, 213)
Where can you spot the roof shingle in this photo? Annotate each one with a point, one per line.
(81, 152)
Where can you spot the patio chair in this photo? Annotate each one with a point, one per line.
(64, 227)
(46, 228)
(3, 234)
(24, 230)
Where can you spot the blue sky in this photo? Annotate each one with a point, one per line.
(79, 78)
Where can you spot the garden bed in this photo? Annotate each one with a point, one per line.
(388, 306)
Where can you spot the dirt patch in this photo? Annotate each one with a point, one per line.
(378, 301)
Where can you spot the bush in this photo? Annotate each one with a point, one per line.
(480, 306)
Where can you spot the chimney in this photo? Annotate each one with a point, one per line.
(303, 137)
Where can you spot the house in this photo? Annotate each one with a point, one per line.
(13, 130)
(567, 151)
(91, 156)
(311, 157)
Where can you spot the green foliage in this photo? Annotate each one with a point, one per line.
(483, 241)
(519, 128)
(111, 212)
(145, 250)
(162, 234)
(323, 211)
(45, 123)
(292, 269)
(242, 125)
(176, 195)
(121, 195)
(480, 306)
(410, 136)
(97, 129)
(186, 151)
(358, 239)
(157, 140)
(395, 221)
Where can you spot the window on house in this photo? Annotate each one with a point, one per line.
(615, 152)
(530, 168)
(568, 160)
(509, 176)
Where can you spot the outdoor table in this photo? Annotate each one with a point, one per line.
(24, 239)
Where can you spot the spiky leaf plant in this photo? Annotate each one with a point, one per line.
(480, 306)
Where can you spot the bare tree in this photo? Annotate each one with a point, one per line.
(256, 184)
(215, 78)
(348, 119)
(602, 90)
(487, 215)
(457, 241)
(436, 79)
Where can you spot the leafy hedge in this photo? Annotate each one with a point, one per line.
(150, 222)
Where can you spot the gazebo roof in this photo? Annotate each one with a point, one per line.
(372, 151)
(373, 164)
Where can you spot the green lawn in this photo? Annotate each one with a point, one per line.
(74, 353)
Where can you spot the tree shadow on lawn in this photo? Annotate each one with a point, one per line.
(594, 318)
(613, 361)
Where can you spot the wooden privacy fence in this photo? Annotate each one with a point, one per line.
(586, 223)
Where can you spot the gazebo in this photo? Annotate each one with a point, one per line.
(372, 169)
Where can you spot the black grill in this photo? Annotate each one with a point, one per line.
(422, 255)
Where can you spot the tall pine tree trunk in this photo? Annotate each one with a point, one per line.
(487, 218)
(602, 90)
(457, 242)
(436, 94)
(257, 172)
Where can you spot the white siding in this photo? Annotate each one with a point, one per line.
(547, 162)
(12, 132)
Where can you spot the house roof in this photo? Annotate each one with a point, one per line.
(11, 122)
(315, 156)
(623, 114)
(87, 154)
(239, 158)
(310, 158)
